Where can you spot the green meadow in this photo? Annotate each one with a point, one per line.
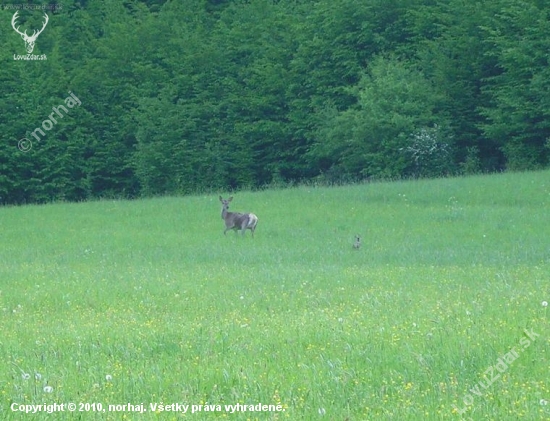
(440, 315)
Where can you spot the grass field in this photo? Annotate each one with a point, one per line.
(439, 316)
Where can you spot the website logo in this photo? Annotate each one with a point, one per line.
(29, 39)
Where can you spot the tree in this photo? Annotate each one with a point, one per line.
(394, 102)
(518, 116)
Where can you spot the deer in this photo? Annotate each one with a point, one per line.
(237, 221)
(29, 40)
(357, 242)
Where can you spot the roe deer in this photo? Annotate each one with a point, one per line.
(237, 221)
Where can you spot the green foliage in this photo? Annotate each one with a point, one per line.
(472, 163)
(454, 54)
(194, 95)
(518, 118)
(393, 102)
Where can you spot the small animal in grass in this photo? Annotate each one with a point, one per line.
(357, 242)
(237, 221)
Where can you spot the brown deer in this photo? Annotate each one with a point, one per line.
(237, 221)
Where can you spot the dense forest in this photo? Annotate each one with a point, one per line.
(176, 97)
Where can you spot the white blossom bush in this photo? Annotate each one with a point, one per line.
(429, 154)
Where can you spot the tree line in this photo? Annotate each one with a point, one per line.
(198, 95)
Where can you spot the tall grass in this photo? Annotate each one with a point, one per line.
(119, 302)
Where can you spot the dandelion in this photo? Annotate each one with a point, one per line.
(543, 402)
(37, 376)
(48, 389)
(544, 304)
(108, 377)
(322, 411)
(25, 376)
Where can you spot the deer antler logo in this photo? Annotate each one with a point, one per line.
(29, 40)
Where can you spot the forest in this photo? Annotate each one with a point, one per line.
(180, 97)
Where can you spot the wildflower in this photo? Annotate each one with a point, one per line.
(25, 376)
(37, 376)
(322, 411)
(108, 377)
(543, 402)
(544, 304)
(48, 389)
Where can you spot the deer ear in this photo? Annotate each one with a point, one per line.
(221, 200)
(230, 199)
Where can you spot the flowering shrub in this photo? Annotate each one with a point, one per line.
(430, 154)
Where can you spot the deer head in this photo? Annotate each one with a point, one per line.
(29, 40)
